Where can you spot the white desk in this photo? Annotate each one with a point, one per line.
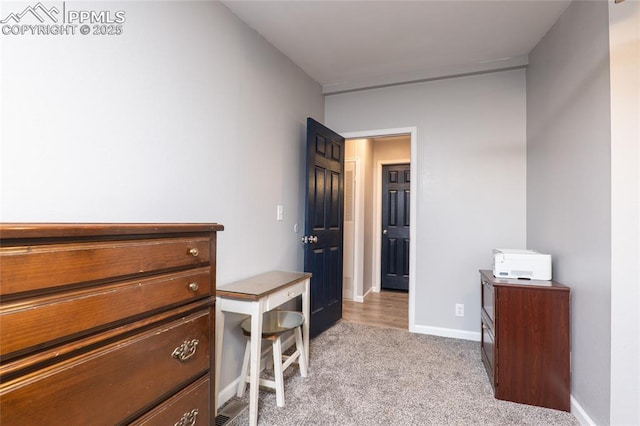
(254, 296)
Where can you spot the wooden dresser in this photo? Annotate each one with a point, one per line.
(107, 324)
(525, 340)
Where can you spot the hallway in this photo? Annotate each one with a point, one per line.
(388, 309)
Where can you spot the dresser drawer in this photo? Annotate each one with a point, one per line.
(115, 382)
(187, 408)
(46, 320)
(35, 267)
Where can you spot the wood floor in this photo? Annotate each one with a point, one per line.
(385, 309)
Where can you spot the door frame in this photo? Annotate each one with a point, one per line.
(358, 230)
(413, 134)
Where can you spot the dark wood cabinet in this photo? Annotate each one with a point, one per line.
(525, 340)
(107, 323)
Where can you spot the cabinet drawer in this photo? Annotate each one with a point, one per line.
(113, 383)
(189, 407)
(278, 298)
(488, 300)
(34, 267)
(488, 352)
(38, 321)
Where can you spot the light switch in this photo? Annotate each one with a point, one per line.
(280, 212)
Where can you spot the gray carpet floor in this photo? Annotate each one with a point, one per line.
(362, 375)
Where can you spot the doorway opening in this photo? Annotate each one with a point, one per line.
(366, 154)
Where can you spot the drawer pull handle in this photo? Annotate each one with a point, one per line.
(186, 350)
(188, 419)
(194, 287)
(194, 252)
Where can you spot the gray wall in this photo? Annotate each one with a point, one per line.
(471, 173)
(188, 116)
(569, 185)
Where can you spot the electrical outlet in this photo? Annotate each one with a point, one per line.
(459, 310)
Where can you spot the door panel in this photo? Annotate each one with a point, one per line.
(318, 261)
(407, 202)
(336, 204)
(324, 224)
(319, 199)
(396, 199)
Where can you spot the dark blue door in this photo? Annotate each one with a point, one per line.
(396, 199)
(323, 224)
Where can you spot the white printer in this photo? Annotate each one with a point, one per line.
(514, 263)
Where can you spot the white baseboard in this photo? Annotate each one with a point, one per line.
(581, 415)
(360, 299)
(447, 332)
(230, 390)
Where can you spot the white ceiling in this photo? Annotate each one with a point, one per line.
(348, 45)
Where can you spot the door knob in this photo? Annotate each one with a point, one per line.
(384, 232)
(313, 239)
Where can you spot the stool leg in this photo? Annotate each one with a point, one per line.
(277, 372)
(245, 370)
(302, 359)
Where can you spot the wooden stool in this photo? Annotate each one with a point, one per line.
(274, 324)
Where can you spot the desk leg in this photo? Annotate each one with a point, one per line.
(306, 311)
(218, 355)
(256, 347)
